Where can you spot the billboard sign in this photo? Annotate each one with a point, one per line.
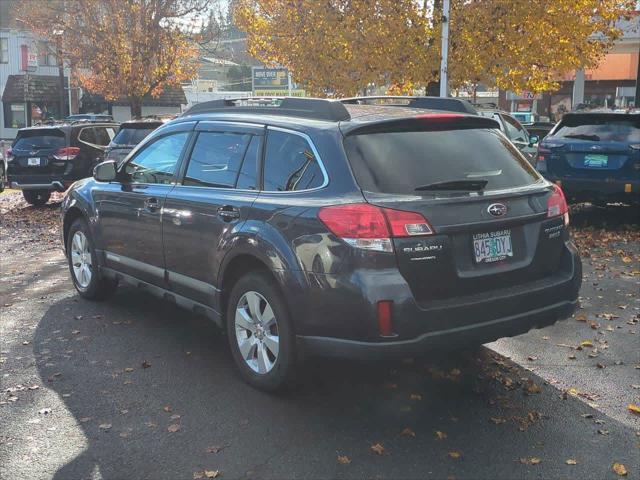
(272, 80)
(525, 95)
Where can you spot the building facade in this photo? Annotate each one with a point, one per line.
(29, 81)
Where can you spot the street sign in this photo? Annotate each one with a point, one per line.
(32, 61)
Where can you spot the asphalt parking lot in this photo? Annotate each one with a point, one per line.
(137, 388)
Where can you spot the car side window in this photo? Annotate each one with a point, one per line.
(248, 178)
(87, 135)
(290, 163)
(515, 131)
(156, 162)
(102, 137)
(216, 159)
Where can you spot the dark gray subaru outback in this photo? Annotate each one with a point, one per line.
(309, 227)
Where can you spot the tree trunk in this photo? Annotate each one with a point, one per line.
(136, 107)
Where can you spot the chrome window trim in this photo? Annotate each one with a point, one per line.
(315, 152)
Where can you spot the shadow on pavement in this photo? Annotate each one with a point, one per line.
(611, 217)
(124, 410)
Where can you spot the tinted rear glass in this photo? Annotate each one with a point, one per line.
(600, 128)
(399, 162)
(40, 139)
(131, 136)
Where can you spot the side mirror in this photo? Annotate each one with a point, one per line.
(533, 139)
(105, 171)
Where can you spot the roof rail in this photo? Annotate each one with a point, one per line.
(429, 103)
(89, 120)
(314, 108)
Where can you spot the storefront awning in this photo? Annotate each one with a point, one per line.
(41, 88)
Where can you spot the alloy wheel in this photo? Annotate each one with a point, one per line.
(257, 332)
(81, 259)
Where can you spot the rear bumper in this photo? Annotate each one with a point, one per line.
(346, 325)
(585, 190)
(474, 334)
(55, 183)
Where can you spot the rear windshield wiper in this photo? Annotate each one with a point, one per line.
(470, 185)
(583, 136)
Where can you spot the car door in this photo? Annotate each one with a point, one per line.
(215, 192)
(129, 211)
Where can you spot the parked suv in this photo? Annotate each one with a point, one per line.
(595, 156)
(50, 158)
(317, 228)
(514, 131)
(131, 133)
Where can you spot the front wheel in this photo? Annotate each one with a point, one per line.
(83, 264)
(260, 333)
(36, 198)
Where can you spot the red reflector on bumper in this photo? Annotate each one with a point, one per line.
(385, 325)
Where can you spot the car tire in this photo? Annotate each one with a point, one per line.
(83, 264)
(37, 198)
(253, 348)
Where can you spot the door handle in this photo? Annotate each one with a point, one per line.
(151, 204)
(228, 213)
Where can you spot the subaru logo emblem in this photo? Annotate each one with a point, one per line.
(497, 209)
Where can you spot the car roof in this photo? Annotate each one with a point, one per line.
(67, 126)
(300, 114)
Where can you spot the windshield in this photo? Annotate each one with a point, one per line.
(406, 162)
(600, 128)
(37, 139)
(131, 136)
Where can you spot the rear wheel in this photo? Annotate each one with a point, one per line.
(260, 333)
(36, 197)
(83, 264)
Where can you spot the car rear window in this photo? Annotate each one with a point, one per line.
(131, 135)
(612, 128)
(40, 139)
(401, 161)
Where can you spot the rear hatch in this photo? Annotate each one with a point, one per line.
(597, 146)
(129, 135)
(487, 207)
(33, 152)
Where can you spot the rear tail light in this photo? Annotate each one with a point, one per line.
(66, 153)
(557, 205)
(9, 155)
(541, 164)
(385, 324)
(366, 226)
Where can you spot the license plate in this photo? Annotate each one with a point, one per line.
(492, 246)
(596, 161)
(33, 161)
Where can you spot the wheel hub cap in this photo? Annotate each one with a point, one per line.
(81, 259)
(257, 332)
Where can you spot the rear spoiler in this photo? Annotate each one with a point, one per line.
(428, 103)
(423, 122)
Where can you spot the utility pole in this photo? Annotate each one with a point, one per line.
(444, 81)
(61, 87)
(636, 104)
